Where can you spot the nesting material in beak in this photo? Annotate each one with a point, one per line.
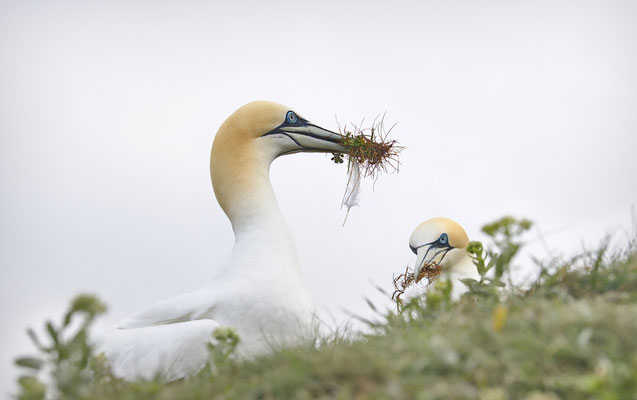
(371, 148)
(370, 152)
(430, 270)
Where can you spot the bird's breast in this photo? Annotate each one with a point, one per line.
(262, 294)
(267, 316)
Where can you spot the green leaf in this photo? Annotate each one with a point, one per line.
(482, 269)
(499, 267)
(370, 304)
(67, 318)
(491, 263)
(52, 332)
(469, 282)
(78, 346)
(29, 362)
(32, 388)
(35, 340)
(474, 247)
(87, 303)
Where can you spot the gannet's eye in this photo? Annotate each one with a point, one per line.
(443, 239)
(291, 117)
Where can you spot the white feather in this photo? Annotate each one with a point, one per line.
(353, 189)
(167, 352)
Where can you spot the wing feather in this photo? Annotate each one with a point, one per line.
(167, 352)
(186, 307)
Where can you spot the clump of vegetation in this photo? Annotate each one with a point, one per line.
(371, 148)
(370, 153)
(569, 334)
(402, 281)
(66, 355)
(505, 234)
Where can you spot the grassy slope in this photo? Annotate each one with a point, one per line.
(572, 335)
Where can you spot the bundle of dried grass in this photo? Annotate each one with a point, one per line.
(371, 152)
(371, 148)
(403, 281)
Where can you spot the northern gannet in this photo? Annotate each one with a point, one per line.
(444, 242)
(259, 290)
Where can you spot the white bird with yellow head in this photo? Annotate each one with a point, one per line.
(443, 241)
(259, 290)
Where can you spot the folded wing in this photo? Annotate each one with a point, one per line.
(167, 341)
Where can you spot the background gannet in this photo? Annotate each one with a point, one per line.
(259, 290)
(444, 241)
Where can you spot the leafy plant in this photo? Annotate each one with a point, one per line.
(505, 234)
(67, 353)
(226, 341)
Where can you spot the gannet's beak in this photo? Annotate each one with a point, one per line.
(428, 253)
(311, 138)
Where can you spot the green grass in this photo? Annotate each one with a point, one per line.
(572, 334)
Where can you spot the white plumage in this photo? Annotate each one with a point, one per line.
(352, 195)
(259, 290)
(443, 241)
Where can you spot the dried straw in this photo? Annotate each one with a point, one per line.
(402, 281)
(371, 148)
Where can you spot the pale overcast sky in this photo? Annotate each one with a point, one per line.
(108, 111)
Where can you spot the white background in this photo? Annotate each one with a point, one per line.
(108, 111)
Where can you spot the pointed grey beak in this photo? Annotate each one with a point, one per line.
(429, 253)
(312, 138)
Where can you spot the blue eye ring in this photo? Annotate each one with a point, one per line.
(291, 117)
(443, 239)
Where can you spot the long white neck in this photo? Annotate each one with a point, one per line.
(255, 214)
(241, 182)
